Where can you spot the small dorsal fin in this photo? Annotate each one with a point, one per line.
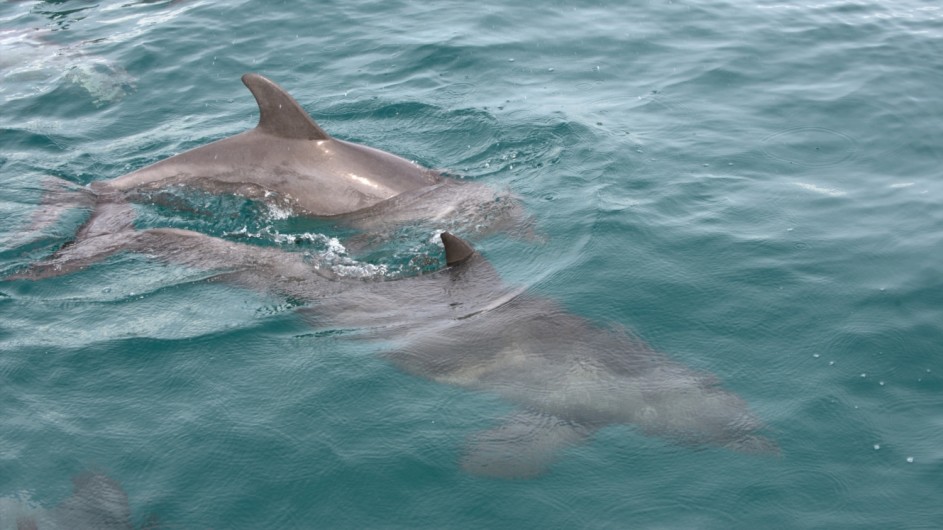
(457, 250)
(279, 114)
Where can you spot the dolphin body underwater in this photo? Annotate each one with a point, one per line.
(290, 163)
(463, 326)
(97, 503)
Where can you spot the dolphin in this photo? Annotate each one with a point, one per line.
(32, 63)
(287, 159)
(464, 326)
(291, 164)
(97, 503)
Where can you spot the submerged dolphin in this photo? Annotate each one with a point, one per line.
(97, 503)
(464, 326)
(289, 162)
(32, 63)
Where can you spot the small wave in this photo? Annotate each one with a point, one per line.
(831, 192)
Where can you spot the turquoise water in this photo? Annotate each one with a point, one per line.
(752, 187)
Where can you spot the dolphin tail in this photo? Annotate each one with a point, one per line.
(59, 196)
(107, 231)
(523, 446)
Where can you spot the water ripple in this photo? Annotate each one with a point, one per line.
(811, 146)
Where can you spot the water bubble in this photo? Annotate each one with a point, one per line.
(910, 460)
(881, 383)
(877, 446)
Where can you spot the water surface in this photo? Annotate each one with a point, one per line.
(752, 187)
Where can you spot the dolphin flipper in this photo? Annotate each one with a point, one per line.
(58, 197)
(521, 447)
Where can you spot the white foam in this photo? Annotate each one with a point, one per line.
(334, 255)
(278, 213)
(831, 192)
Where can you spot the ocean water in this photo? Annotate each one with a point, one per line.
(754, 188)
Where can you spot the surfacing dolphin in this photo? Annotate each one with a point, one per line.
(463, 326)
(287, 159)
(289, 162)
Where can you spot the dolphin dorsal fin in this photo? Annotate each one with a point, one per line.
(457, 251)
(279, 114)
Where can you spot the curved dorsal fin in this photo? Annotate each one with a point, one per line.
(279, 114)
(457, 251)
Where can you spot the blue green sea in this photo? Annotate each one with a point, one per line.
(753, 188)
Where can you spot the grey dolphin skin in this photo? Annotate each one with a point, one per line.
(97, 503)
(288, 161)
(463, 326)
(286, 155)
